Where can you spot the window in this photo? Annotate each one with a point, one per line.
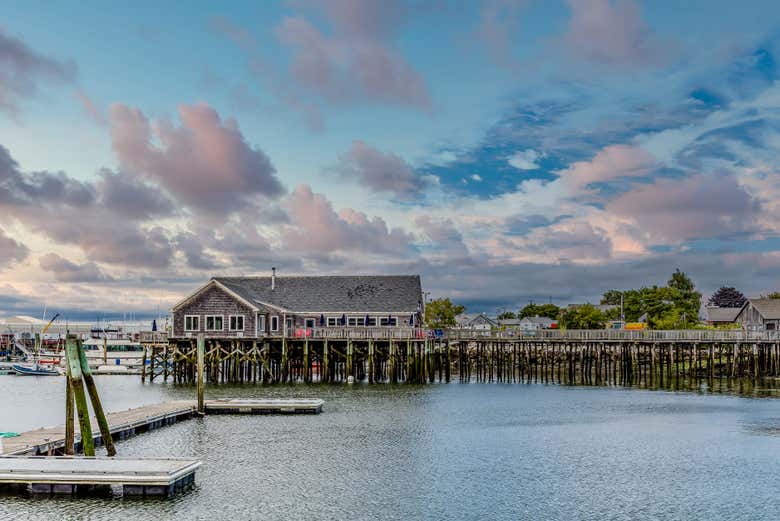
(261, 324)
(236, 322)
(310, 323)
(333, 321)
(191, 323)
(371, 322)
(357, 321)
(274, 323)
(214, 323)
(289, 323)
(388, 321)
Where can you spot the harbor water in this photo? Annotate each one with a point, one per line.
(449, 451)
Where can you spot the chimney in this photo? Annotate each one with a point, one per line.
(273, 279)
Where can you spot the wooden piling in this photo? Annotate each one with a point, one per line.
(94, 397)
(201, 354)
(74, 372)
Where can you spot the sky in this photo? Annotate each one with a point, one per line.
(508, 151)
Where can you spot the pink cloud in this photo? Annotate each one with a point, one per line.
(90, 109)
(610, 163)
(317, 228)
(700, 206)
(205, 163)
(613, 34)
(379, 171)
(360, 60)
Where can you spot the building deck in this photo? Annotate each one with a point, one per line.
(72, 475)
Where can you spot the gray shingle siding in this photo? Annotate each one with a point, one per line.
(214, 301)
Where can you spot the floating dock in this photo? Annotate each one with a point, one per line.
(270, 406)
(51, 440)
(74, 475)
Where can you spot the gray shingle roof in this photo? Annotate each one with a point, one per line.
(768, 307)
(722, 314)
(359, 293)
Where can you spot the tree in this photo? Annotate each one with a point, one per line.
(586, 316)
(550, 311)
(774, 294)
(611, 297)
(507, 315)
(727, 297)
(441, 313)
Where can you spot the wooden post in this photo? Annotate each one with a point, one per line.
(325, 361)
(74, 372)
(370, 361)
(349, 358)
(306, 366)
(105, 350)
(94, 397)
(200, 357)
(143, 365)
(284, 357)
(70, 434)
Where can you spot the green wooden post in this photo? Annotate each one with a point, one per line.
(94, 397)
(200, 358)
(74, 372)
(70, 435)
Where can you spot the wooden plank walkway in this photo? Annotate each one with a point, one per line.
(71, 475)
(124, 424)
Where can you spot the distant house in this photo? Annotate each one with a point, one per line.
(257, 307)
(762, 314)
(721, 316)
(480, 322)
(509, 323)
(536, 323)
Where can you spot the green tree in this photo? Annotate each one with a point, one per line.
(586, 316)
(441, 313)
(550, 311)
(507, 315)
(774, 294)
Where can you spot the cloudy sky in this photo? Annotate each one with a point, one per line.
(508, 150)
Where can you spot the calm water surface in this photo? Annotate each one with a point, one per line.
(453, 451)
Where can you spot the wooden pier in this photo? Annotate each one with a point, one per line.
(333, 355)
(77, 475)
(125, 424)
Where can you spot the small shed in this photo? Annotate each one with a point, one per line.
(761, 314)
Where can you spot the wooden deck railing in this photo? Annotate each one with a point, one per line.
(575, 335)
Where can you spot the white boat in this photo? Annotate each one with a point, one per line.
(117, 352)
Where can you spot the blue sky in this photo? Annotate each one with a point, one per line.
(507, 150)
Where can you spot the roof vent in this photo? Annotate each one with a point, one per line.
(273, 279)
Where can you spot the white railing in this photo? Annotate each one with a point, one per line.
(686, 335)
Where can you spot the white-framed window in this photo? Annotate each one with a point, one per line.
(261, 324)
(310, 323)
(333, 321)
(289, 323)
(371, 322)
(388, 321)
(215, 323)
(236, 322)
(274, 323)
(357, 321)
(191, 323)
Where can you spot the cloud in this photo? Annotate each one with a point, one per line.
(23, 70)
(612, 34)
(380, 171)
(205, 163)
(11, 250)
(700, 206)
(498, 25)
(131, 197)
(317, 227)
(443, 238)
(611, 163)
(90, 109)
(67, 271)
(525, 159)
(360, 60)
(192, 248)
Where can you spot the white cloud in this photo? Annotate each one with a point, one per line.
(476, 177)
(525, 160)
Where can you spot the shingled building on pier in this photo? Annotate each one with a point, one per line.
(258, 307)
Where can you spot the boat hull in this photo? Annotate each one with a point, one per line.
(34, 371)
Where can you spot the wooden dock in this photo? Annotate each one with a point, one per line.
(51, 440)
(75, 475)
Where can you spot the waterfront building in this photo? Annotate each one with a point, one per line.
(479, 322)
(717, 316)
(259, 307)
(761, 314)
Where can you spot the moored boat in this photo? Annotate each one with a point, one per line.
(35, 370)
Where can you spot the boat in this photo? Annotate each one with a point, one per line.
(35, 369)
